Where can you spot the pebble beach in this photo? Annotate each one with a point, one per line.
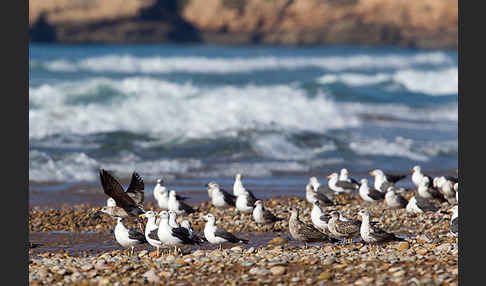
(74, 245)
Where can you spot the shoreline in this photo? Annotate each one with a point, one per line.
(74, 247)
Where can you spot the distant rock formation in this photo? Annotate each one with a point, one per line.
(422, 24)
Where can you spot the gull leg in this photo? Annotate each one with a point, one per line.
(131, 252)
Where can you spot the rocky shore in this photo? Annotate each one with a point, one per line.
(428, 257)
(421, 24)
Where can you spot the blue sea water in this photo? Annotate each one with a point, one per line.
(275, 114)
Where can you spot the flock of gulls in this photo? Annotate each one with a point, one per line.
(163, 230)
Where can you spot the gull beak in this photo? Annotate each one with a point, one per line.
(449, 210)
(372, 173)
(328, 176)
(142, 216)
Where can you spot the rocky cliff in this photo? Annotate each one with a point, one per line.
(410, 23)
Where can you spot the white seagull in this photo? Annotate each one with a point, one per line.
(417, 176)
(169, 235)
(216, 235)
(370, 194)
(319, 219)
(420, 205)
(178, 206)
(219, 197)
(262, 215)
(128, 237)
(340, 186)
(151, 229)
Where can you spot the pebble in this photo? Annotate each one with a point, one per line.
(278, 270)
(151, 277)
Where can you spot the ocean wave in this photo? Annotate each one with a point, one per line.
(403, 147)
(438, 82)
(124, 63)
(151, 106)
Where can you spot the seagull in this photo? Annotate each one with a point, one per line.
(114, 211)
(169, 235)
(161, 195)
(325, 190)
(312, 195)
(381, 182)
(221, 198)
(370, 194)
(304, 232)
(151, 229)
(420, 205)
(417, 176)
(319, 219)
(128, 237)
(425, 190)
(262, 215)
(123, 199)
(192, 234)
(340, 186)
(343, 229)
(372, 234)
(446, 187)
(394, 200)
(238, 188)
(344, 176)
(173, 219)
(245, 202)
(177, 205)
(391, 177)
(454, 223)
(215, 235)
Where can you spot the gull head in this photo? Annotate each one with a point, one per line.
(364, 181)
(416, 169)
(159, 181)
(164, 215)
(210, 217)
(344, 172)
(238, 177)
(172, 193)
(334, 215)
(333, 176)
(363, 213)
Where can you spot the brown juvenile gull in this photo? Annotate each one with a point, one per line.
(370, 194)
(306, 233)
(372, 234)
(136, 189)
(262, 215)
(312, 195)
(128, 237)
(420, 205)
(124, 200)
(394, 200)
(343, 229)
